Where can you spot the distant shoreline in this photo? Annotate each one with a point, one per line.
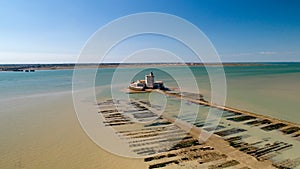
(16, 67)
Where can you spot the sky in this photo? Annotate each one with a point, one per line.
(55, 31)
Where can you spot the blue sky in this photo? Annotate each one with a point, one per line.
(55, 31)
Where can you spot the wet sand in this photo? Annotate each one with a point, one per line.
(43, 132)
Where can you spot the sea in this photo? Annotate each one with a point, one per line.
(270, 89)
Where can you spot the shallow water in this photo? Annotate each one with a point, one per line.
(271, 90)
(38, 125)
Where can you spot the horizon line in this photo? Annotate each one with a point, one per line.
(114, 63)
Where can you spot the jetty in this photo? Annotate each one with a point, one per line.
(285, 126)
(149, 85)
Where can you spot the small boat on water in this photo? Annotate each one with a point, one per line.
(29, 70)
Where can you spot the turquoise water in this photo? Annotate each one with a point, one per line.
(271, 89)
(14, 84)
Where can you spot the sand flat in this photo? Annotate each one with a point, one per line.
(43, 132)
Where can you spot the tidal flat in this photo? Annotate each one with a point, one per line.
(39, 127)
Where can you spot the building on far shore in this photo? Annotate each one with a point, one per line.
(148, 83)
